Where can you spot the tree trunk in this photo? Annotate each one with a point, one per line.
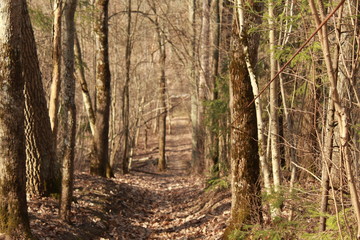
(56, 71)
(214, 145)
(204, 79)
(162, 100)
(342, 114)
(246, 200)
(43, 169)
(14, 222)
(274, 122)
(100, 163)
(260, 125)
(194, 86)
(126, 104)
(84, 87)
(68, 116)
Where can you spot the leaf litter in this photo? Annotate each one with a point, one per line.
(145, 204)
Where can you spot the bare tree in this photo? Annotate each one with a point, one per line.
(100, 163)
(126, 104)
(68, 116)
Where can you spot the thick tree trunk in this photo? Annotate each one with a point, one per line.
(43, 169)
(246, 200)
(126, 104)
(14, 222)
(100, 163)
(250, 61)
(56, 71)
(68, 117)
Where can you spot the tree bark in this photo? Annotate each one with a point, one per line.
(162, 99)
(68, 116)
(204, 80)
(100, 163)
(14, 222)
(274, 122)
(250, 61)
(43, 168)
(56, 71)
(245, 185)
(126, 104)
(84, 86)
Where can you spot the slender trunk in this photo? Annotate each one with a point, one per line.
(326, 162)
(100, 163)
(14, 221)
(68, 116)
(194, 86)
(204, 79)
(162, 101)
(274, 122)
(84, 87)
(342, 114)
(56, 71)
(126, 105)
(214, 152)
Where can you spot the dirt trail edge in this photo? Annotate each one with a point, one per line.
(145, 204)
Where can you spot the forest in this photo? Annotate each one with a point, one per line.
(179, 119)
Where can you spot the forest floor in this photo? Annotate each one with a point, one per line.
(145, 204)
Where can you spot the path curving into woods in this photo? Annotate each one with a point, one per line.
(144, 204)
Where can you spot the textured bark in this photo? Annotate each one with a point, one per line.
(84, 87)
(68, 116)
(126, 105)
(250, 62)
(43, 169)
(246, 201)
(56, 71)
(14, 222)
(100, 163)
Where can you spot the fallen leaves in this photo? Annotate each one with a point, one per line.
(145, 204)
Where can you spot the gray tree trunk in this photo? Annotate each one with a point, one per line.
(68, 116)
